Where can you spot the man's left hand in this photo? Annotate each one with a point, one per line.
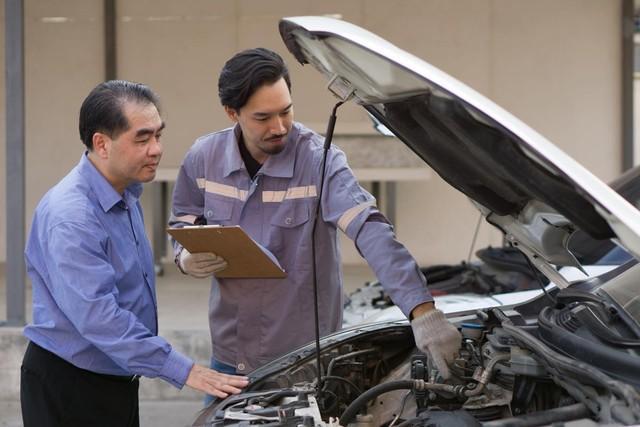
(438, 338)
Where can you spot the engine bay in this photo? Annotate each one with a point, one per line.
(513, 369)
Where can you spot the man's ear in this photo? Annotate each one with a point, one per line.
(101, 144)
(231, 113)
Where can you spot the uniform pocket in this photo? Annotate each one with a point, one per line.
(287, 236)
(291, 214)
(217, 210)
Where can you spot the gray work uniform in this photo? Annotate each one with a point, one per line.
(253, 321)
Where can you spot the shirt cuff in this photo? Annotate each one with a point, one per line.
(176, 369)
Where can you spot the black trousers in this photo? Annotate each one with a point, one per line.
(54, 392)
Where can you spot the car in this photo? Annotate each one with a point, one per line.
(567, 353)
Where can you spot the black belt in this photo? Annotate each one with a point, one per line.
(121, 378)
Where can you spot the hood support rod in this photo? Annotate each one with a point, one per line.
(327, 144)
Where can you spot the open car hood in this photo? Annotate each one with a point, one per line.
(523, 184)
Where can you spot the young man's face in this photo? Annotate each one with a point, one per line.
(134, 155)
(265, 120)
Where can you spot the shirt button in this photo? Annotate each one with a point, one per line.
(241, 366)
(288, 221)
(209, 213)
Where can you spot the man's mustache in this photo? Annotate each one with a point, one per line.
(274, 137)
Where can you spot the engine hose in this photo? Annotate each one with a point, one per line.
(485, 376)
(355, 406)
(574, 368)
(461, 391)
(351, 355)
(542, 418)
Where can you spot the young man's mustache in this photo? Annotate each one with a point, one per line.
(274, 137)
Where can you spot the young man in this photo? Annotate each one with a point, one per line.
(94, 329)
(264, 174)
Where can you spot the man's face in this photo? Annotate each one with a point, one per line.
(265, 120)
(134, 155)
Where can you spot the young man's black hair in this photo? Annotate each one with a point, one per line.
(247, 71)
(102, 109)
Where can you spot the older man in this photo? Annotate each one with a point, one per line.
(94, 329)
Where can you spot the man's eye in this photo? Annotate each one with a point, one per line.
(261, 119)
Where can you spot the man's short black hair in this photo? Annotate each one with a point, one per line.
(103, 109)
(246, 72)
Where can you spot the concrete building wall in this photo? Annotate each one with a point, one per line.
(555, 65)
(63, 61)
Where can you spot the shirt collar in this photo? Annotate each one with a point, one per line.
(280, 165)
(107, 196)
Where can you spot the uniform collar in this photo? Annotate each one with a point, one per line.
(232, 159)
(280, 166)
(107, 196)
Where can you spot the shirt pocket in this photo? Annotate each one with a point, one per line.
(218, 210)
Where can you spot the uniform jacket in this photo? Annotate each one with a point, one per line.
(253, 321)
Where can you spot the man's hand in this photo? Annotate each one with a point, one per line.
(436, 337)
(214, 383)
(202, 264)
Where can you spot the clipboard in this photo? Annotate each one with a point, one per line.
(245, 258)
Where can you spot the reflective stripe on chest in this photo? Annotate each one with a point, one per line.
(222, 189)
(305, 192)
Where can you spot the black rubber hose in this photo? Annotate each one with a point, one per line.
(343, 380)
(565, 366)
(355, 406)
(597, 326)
(541, 418)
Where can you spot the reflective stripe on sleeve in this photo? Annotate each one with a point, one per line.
(291, 193)
(351, 214)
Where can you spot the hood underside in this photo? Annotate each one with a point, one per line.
(522, 183)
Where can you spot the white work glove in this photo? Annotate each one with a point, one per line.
(200, 265)
(438, 338)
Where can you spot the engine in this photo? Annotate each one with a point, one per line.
(505, 375)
